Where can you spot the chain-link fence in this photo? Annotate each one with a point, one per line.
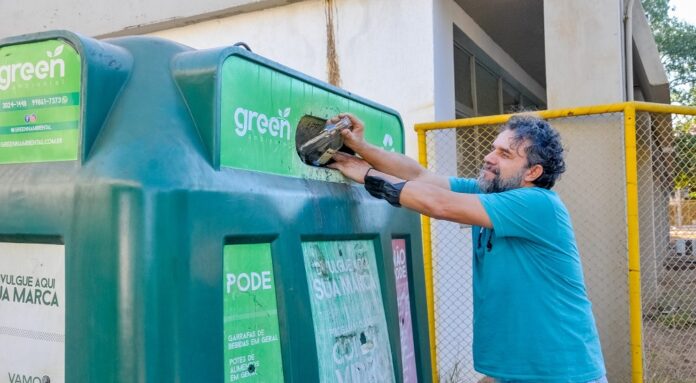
(594, 188)
(667, 197)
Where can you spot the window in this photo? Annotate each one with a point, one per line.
(463, 92)
(487, 99)
(483, 88)
(512, 99)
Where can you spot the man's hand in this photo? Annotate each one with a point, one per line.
(391, 166)
(351, 166)
(354, 138)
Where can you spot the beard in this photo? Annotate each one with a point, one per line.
(499, 184)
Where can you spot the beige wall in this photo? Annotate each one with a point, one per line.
(584, 52)
(593, 189)
(103, 17)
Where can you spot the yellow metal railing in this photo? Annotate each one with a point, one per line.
(628, 110)
(428, 262)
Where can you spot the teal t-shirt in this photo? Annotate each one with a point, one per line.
(532, 318)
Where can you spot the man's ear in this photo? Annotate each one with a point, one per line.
(533, 173)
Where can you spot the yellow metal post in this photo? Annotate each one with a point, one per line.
(635, 309)
(428, 263)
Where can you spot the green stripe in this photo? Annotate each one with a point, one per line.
(11, 130)
(38, 102)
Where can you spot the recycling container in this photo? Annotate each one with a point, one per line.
(158, 225)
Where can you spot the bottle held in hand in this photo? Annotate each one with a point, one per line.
(319, 150)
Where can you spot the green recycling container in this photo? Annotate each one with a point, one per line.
(158, 225)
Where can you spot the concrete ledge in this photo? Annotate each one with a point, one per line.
(102, 18)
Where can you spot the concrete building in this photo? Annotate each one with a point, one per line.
(428, 59)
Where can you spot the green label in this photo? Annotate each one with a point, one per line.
(39, 102)
(252, 341)
(261, 108)
(349, 322)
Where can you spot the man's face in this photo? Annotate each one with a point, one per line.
(505, 167)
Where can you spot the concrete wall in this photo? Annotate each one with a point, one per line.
(648, 68)
(584, 52)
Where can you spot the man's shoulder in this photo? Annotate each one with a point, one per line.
(535, 197)
(464, 185)
(532, 192)
(528, 212)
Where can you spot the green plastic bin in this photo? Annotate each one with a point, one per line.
(157, 224)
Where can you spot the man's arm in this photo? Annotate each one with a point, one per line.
(423, 197)
(392, 163)
(444, 204)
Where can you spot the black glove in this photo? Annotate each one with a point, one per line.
(382, 189)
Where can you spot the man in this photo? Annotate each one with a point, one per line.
(532, 319)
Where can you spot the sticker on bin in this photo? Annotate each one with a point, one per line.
(251, 334)
(40, 86)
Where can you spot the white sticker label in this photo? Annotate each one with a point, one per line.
(32, 312)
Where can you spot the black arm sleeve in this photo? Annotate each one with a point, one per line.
(382, 189)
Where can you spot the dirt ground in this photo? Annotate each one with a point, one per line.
(670, 353)
(669, 328)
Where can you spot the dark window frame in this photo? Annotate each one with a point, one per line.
(527, 99)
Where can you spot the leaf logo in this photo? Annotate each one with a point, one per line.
(56, 52)
(284, 113)
(388, 141)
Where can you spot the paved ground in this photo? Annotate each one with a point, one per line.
(669, 328)
(671, 353)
